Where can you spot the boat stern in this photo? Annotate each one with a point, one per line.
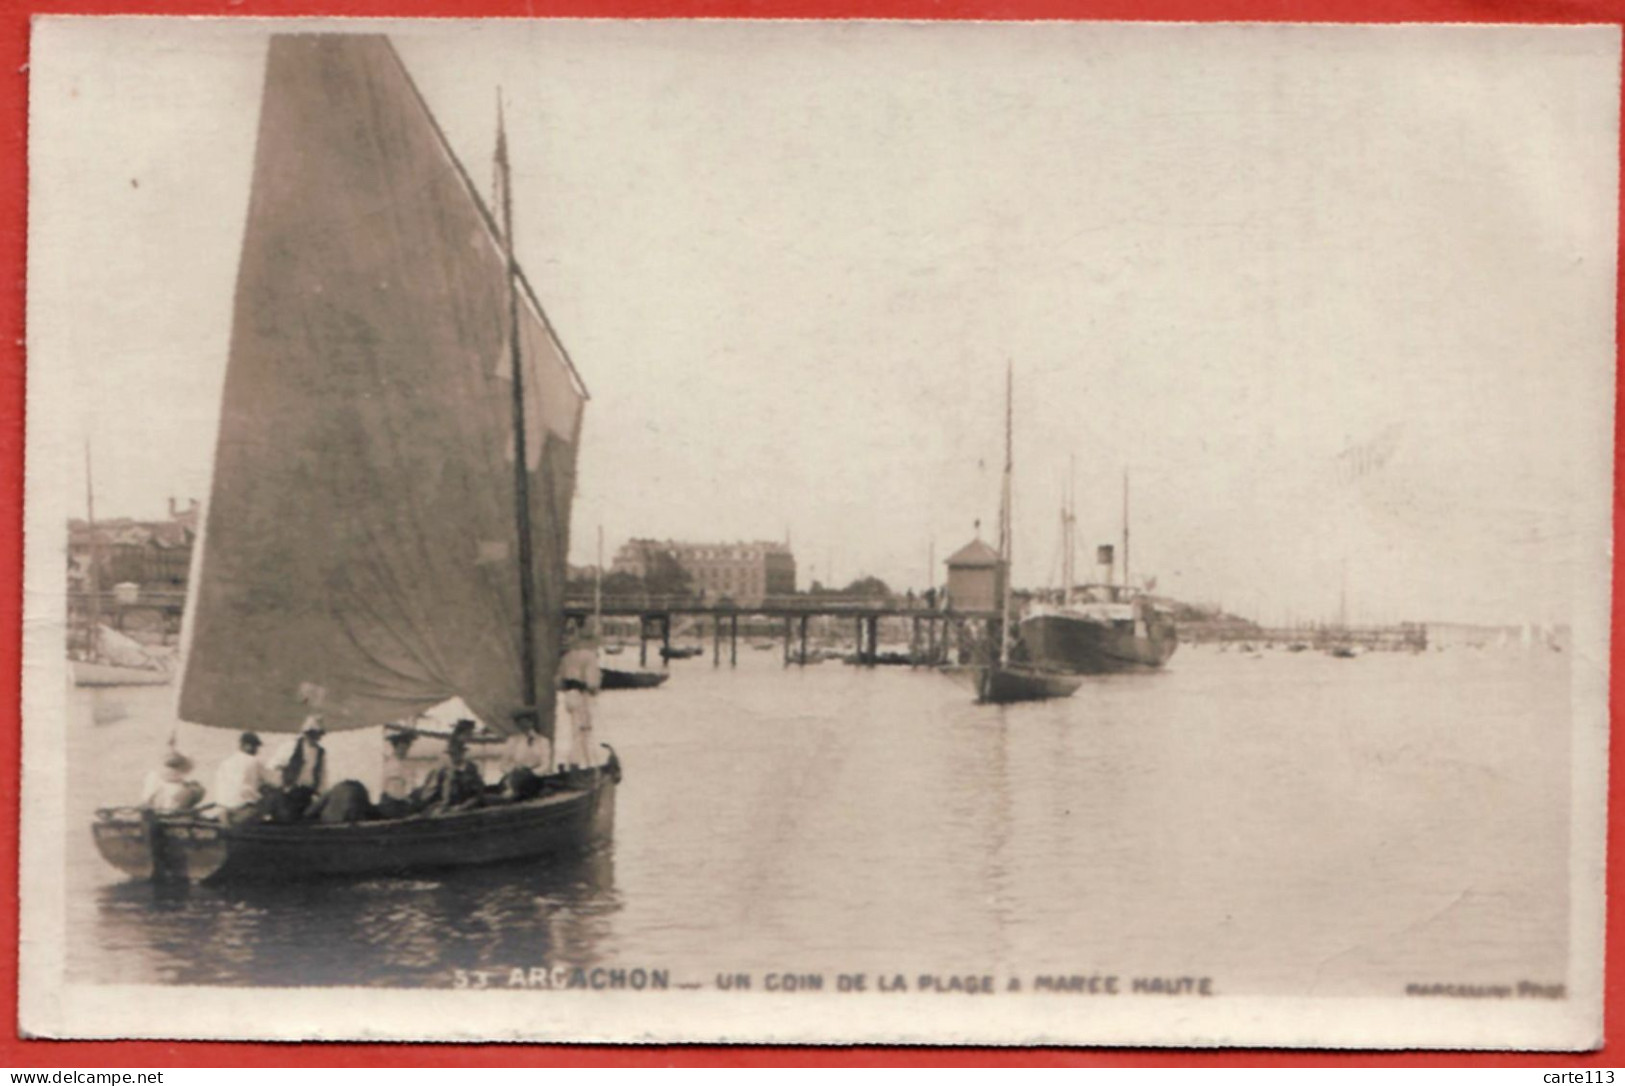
(145, 845)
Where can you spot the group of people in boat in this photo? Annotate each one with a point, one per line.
(292, 786)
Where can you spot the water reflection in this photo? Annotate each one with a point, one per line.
(843, 818)
(380, 931)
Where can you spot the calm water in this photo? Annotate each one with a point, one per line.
(1284, 824)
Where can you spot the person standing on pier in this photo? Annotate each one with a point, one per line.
(580, 680)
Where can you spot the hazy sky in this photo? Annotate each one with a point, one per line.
(792, 261)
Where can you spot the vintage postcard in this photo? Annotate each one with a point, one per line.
(845, 532)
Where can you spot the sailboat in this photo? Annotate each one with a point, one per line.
(1096, 629)
(390, 512)
(1342, 645)
(103, 656)
(1007, 680)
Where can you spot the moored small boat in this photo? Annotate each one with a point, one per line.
(100, 673)
(614, 678)
(1004, 683)
(681, 652)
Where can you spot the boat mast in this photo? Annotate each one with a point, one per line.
(1005, 516)
(1343, 598)
(93, 598)
(521, 477)
(598, 588)
(1125, 530)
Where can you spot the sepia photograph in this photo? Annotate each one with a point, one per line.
(818, 532)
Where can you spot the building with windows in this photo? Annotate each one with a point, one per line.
(741, 572)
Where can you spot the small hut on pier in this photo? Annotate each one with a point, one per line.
(973, 578)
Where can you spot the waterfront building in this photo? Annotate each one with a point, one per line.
(742, 572)
(153, 554)
(973, 578)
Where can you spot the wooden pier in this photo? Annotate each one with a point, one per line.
(935, 633)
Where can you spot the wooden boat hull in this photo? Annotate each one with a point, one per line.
(192, 848)
(1002, 685)
(92, 673)
(613, 678)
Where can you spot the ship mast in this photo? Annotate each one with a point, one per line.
(521, 478)
(1005, 516)
(1069, 520)
(1125, 531)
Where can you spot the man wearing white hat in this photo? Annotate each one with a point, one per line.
(302, 766)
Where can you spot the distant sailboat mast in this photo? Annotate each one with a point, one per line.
(521, 474)
(598, 588)
(1343, 598)
(1005, 516)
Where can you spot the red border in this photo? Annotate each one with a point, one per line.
(17, 1052)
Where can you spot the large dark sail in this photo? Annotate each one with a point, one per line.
(359, 550)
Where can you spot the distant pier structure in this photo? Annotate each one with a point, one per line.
(1403, 637)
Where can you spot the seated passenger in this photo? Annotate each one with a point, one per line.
(346, 801)
(242, 784)
(454, 785)
(169, 789)
(526, 759)
(395, 782)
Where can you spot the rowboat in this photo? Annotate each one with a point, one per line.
(614, 678)
(681, 652)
